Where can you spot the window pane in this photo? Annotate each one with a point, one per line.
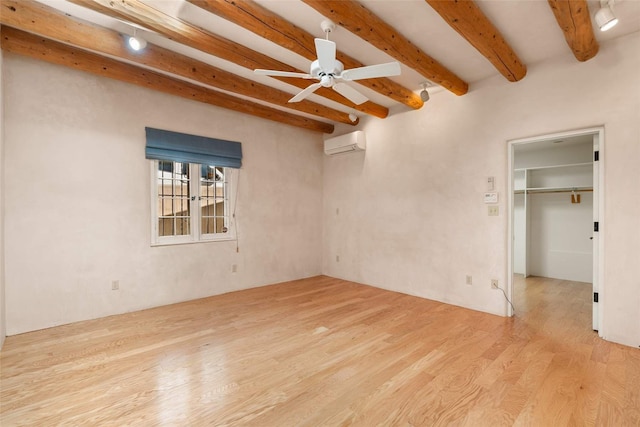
(165, 205)
(165, 227)
(160, 207)
(173, 198)
(182, 226)
(181, 206)
(207, 225)
(164, 166)
(212, 190)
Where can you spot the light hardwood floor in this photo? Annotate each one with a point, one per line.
(326, 352)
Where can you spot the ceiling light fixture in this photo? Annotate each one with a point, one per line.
(353, 117)
(136, 42)
(605, 17)
(424, 95)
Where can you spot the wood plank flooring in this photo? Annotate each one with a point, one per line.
(326, 352)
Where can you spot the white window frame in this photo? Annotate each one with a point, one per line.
(196, 235)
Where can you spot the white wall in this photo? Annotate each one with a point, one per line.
(554, 155)
(519, 234)
(77, 199)
(411, 212)
(559, 236)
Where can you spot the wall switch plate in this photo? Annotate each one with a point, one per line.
(491, 197)
(469, 280)
(491, 183)
(234, 268)
(115, 285)
(494, 210)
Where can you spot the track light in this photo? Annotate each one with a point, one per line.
(353, 117)
(424, 95)
(605, 17)
(136, 42)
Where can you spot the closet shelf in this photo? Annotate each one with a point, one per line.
(568, 165)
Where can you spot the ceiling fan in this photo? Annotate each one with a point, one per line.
(331, 73)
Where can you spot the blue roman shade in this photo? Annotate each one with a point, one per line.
(182, 147)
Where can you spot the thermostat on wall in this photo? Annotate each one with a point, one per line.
(491, 197)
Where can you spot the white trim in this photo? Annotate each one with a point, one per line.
(599, 216)
(559, 135)
(152, 202)
(510, 234)
(598, 191)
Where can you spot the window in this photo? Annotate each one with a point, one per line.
(191, 202)
(192, 179)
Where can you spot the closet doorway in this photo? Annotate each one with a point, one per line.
(555, 212)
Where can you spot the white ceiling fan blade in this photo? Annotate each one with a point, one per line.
(326, 51)
(350, 93)
(305, 92)
(275, 73)
(372, 71)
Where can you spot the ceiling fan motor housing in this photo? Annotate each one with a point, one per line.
(317, 72)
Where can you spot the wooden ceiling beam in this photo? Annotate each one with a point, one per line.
(574, 20)
(362, 22)
(261, 21)
(40, 48)
(40, 19)
(467, 19)
(138, 13)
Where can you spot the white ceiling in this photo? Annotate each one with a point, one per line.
(528, 26)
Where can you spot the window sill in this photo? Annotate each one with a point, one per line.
(191, 242)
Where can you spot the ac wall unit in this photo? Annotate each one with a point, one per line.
(354, 141)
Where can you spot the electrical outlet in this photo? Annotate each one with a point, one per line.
(469, 280)
(115, 285)
(494, 283)
(494, 210)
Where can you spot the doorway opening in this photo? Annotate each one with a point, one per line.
(555, 211)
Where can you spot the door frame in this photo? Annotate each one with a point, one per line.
(598, 213)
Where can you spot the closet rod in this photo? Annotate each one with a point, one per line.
(558, 191)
